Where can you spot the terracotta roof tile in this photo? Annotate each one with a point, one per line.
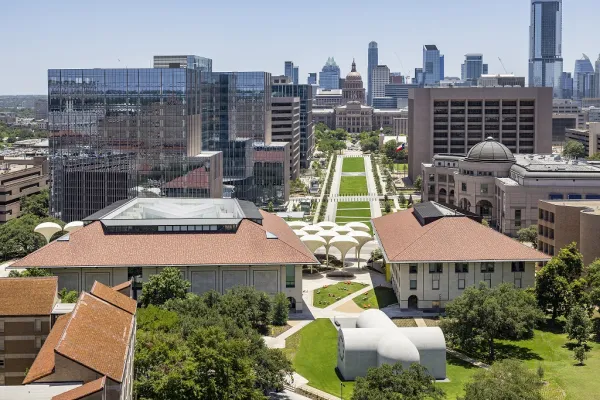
(113, 297)
(249, 245)
(83, 390)
(28, 296)
(123, 285)
(43, 365)
(447, 239)
(97, 336)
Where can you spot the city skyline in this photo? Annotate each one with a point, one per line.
(79, 38)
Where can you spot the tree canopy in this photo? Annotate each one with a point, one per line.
(29, 272)
(574, 149)
(17, 238)
(169, 284)
(529, 234)
(37, 204)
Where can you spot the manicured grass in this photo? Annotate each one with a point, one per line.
(353, 185)
(379, 297)
(458, 372)
(365, 212)
(275, 330)
(344, 220)
(354, 204)
(313, 351)
(329, 294)
(400, 167)
(353, 164)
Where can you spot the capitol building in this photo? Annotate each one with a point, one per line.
(354, 116)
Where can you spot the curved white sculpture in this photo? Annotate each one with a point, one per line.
(343, 243)
(312, 229)
(327, 235)
(47, 229)
(327, 225)
(300, 233)
(362, 238)
(297, 224)
(342, 229)
(73, 226)
(313, 242)
(358, 226)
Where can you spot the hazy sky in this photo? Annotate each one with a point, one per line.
(260, 35)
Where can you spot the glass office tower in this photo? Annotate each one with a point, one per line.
(432, 65)
(545, 45)
(373, 61)
(312, 78)
(289, 70)
(191, 62)
(330, 75)
(583, 79)
(472, 69)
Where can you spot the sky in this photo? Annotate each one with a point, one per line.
(260, 35)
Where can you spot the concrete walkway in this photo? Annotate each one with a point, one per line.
(322, 196)
(347, 298)
(420, 322)
(467, 359)
(372, 189)
(335, 190)
(279, 341)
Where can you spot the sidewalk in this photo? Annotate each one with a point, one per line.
(322, 196)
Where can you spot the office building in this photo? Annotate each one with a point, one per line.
(329, 78)
(353, 89)
(289, 70)
(307, 94)
(452, 120)
(20, 177)
(285, 127)
(473, 68)
(355, 117)
(566, 85)
(561, 223)
(433, 69)
(312, 78)
(442, 68)
(584, 85)
(400, 126)
(373, 61)
(597, 78)
(588, 137)
(399, 91)
(189, 62)
(385, 102)
(41, 109)
(418, 76)
(545, 45)
(280, 79)
(381, 77)
(566, 114)
(397, 77)
(296, 75)
(328, 98)
(591, 114)
(501, 80)
(434, 253)
(197, 235)
(504, 188)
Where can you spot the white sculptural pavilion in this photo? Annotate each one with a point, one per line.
(343, 243)
(362, 238)
(48, 229)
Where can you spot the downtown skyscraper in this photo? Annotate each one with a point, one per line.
(545, 45)
(372, 63)
(433, 65)
(583, 79)
(329, 78)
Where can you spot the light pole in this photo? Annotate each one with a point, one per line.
(341, 394)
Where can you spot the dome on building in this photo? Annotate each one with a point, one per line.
(353, 75)
(490, 150)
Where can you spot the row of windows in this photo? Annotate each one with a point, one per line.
(461, 283)
(459, 268)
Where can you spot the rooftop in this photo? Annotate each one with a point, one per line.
(110, 295)
(588, 206)
(83, 391)
(27, 296)
(37, 391)
(536, 165)
(447, 238)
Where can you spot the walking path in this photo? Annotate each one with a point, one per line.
(279, 341)
(324, 183)
(467, 359)
(335, 190)
(372, 188)
(420, 322)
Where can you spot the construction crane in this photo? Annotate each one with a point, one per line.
(505, 71)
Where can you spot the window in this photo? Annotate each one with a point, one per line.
(1, 326)
(2, 343)
(517, 218)
(461, 268)
(38, 325)
(38, 342)
(518, 266)
(461, 284)
(412, 268)
(1, 361)
(463, 187)
(518, 283)
(436, 268)
(290, 276)
(435, 284)
(413, 284)
(484, 188)
(487, 268)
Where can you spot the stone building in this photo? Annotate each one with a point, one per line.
(353, 89)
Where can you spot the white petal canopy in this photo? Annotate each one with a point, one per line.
(327, 224)
(313, 242)
(312, 229)
(73, 226)
(358, 226)
(47, 229)
(300, 233)
(361, 237)
(328, 235)
(343, 243)
(342, 229)
(297, 224)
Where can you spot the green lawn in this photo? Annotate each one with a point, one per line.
(364, 212)
(458, 372)
(326, 296)
(344, 220)
(353, 204)
(379, 297)
(354, 164)
(401, 167)
(353, 185)
(313, 351)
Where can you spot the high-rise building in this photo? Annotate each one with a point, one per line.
(296, 75)
(353, 89)
(583, 79)
(41, 109)
(451, 121)
(396, 77)
(597, 77)
(566, 85)
(485, 69)
(380, 76)
(307, 94)
(186, 61)
(372, 63)
(472, 69)
(312, 78)
(545, 45)
(286, 128)
(442, 68)
(418, 76)
(330, 75)
(432, 65)
(289, 70)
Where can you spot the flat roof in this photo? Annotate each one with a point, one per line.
(36, 391)
(588, 206)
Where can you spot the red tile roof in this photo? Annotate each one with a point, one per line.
(113, 297)
(27, 296)
(98, 336)
(447, 239)
(249, 245)
(43, 365)
(83, 390)
(122, 286)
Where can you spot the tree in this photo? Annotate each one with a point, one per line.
(528, 235)
(389, 149)
(579, 325)
(270, 207)
(482, 315)
(419, 183)
(17, 238)
(29, 272)
(164, 286)
(580, 353)
(281, 309)
(68, 296)
(388, 207)
(397, 383)
(485, 223)
(574, 149)
(552, 289)
(572, 262)
(505, 380)
(36, 204)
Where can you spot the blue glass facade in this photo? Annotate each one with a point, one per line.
(373, 61)
(312, 78)
(566, 85)
(432, 65)
(545, 45)
(289, 70)
(330, 75)
(473, 68)
(583, 79)
(296, 75)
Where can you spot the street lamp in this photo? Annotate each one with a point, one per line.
(341, 386)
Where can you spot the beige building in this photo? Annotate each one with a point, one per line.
(20, 177)
(26, 306)
(590, 137)
(355, 117)
(285, 127)
(328, 98)
(505, 188)
(217, 244)
(452, 120)
(353, 89)
(563, 222)
(434, 253)
(400, 126)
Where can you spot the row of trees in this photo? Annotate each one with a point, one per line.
(330, 140)
(575, 149)
(209, 346)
